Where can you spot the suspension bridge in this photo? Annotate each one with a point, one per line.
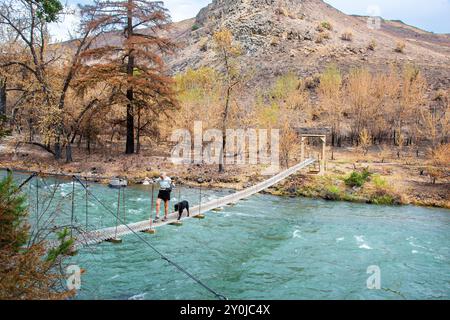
(118, 231)
(114, 233)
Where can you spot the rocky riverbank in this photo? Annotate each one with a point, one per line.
(347, 178)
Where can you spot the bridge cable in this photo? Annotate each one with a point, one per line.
(124, 206)
(163, 257)
(73, 209)
(200, 201)
(87, 203)
(118, 212)
(152, 206)
(37, 204)
(26, 181)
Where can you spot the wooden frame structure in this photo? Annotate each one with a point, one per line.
(315, 132)
(323, 138)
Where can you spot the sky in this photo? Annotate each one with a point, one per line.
(430, 15)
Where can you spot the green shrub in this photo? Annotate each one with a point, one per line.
(378, 182)
(326, 25)
(64, 248)
(382, 193)
(25, 273)
(358, 179)
(285, 85)
(332, 193)
(195, 27)
(385, 199)
(13, 216)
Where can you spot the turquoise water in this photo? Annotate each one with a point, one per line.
(264, 248)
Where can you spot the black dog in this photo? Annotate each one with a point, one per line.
(180, 208)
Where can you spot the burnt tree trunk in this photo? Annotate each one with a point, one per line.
(69, 153)
(58, 151)
(130, 94)
(88, 142)
(2, 97)
(138, 132)
(130, 124)
(224, 135)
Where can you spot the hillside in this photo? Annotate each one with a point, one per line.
(394, 124)
(282, 36)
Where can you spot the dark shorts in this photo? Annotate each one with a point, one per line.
(164, 195)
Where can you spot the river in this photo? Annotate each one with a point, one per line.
(264, 248)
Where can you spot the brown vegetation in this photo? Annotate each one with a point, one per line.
(400, 47)
(56, 93)
(27, 270)
(392, 109)
(347, 35)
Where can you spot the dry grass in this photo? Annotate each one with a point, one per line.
(282, 11)
(400, 47)
(322, 36)
(372, 45)
(347, 35)
(323, 26)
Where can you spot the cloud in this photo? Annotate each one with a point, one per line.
(67, 25)
(431, 15)
(185, 9)
(69, 22)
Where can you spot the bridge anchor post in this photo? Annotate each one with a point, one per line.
(149, 231)
(114, 240)
(323, 160)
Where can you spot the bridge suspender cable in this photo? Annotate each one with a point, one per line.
(87, 204)
(73, 209)
(37, 203)
(152, 206)
(218, 295)
(26, 181)
(124, 206)
(118, 211)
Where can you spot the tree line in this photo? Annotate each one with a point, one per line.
(110, 84)
(394, 108)
(58, 92)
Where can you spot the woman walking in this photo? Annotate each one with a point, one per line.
(165, 188)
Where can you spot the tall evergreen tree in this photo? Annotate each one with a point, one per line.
(134, 64)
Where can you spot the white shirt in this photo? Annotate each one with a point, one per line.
(165, 183)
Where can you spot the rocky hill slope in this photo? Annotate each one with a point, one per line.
(304, 36)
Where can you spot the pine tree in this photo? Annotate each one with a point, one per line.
(26, 271)
(134, 64)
